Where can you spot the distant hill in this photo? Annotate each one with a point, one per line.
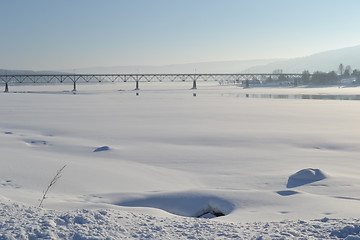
(25, 72)
(324, 61)
(202, 67)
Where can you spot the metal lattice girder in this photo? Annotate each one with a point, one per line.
(177, 78)
(159, 77)
(77, 77)
(67, 77)
(71, 78)
(124, 78)
(104, 78)
(94, 78)
(182, 77)
(172, 78)
(149, 77)
(132, 77)
(211, 77)
(3, 78)
(55, 77)
(114, 78)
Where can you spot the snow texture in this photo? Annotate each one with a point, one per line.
(21, 222)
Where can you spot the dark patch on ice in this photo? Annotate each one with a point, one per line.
(36, 142)
(305, 176)
(8, 133)
(8, 183)
(328, 213)
(101, 149)
(318, 185)
(284, 212)
(287, 192)
(348, 198)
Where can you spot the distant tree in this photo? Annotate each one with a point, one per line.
(318, 78)
(282, 78)
(341, 69)
(356, 74)
(332, 77)
(347, 71)
(305, 78)
(278, 71)
(322, 78)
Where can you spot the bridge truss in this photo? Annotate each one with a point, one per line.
(237, 78)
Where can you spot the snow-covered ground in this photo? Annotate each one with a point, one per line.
(143, 164)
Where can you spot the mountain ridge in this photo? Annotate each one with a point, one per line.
(235, 66)
(322, 61)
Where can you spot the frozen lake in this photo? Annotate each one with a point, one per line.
(214, 151)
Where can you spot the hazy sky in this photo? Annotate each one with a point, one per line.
(70, 34)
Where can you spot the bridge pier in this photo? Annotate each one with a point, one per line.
(194, 84)
(6, 87)
(137, 85)
(74, 89)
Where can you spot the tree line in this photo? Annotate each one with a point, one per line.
(332, 77)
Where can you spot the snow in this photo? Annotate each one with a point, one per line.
(167, 162)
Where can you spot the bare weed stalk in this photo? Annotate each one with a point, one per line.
(52, 183)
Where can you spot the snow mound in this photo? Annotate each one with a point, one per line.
(187, 204)
(305, 176)
(101, 149)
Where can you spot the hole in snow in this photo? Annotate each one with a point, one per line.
(103, 148)
(184, 204)
(287, 192)
(210, 212)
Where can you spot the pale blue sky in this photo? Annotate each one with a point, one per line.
(70, 34)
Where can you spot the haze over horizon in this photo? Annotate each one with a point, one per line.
(43, 35)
